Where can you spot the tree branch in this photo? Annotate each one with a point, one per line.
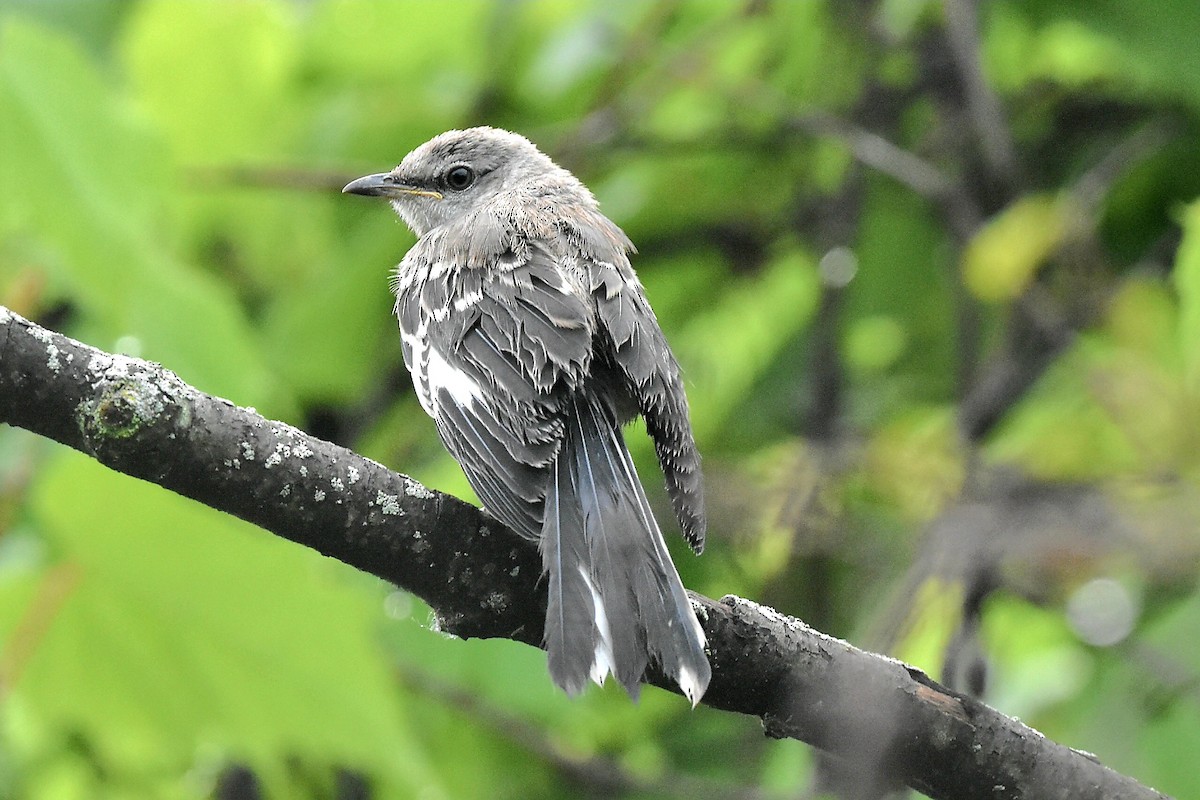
(483, 580)
(984, 108)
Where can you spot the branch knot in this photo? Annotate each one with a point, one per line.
(134, 409)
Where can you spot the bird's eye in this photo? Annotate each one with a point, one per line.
(460, 177)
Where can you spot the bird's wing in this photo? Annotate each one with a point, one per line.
(495, 349)
(652, 378)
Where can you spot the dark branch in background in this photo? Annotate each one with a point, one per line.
(874, 151)
(482, 580)
(983, 106)
(283, 177)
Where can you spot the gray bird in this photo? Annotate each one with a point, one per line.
(530, 342)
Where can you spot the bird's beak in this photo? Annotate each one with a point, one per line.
(385, 184)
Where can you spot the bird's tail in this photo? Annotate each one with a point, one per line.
(616, 601)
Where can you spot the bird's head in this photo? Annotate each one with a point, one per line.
(454, 173)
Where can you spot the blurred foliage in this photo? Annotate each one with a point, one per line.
(935, 286)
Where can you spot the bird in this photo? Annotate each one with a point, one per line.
(531, 342)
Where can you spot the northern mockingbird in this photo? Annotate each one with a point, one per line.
(530, 342)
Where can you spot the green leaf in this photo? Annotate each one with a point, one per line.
(1040, 663)
(874, 343)
(187, 627)
(1001, 260)
(212, 76)
(1187, 284)
(1018, 53)
(328, 326)
(901, 279)
(915, 461)
(729, 347)
(1059, 431)
(1159, 41)
(98, 191)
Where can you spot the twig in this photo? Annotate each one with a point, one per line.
(878, 153)
(983, 106)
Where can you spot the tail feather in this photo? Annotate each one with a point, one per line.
(616, 599)
(571, 618)
(611, 534)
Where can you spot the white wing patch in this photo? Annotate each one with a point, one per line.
(440, 374)
(467, 300)
(416, 356)
(431, 372)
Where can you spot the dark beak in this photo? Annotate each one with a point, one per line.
(386, 184)
(381, 183)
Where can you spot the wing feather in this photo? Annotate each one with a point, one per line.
(640, 353)
(495, 361)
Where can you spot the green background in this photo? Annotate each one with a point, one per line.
(169, 176)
